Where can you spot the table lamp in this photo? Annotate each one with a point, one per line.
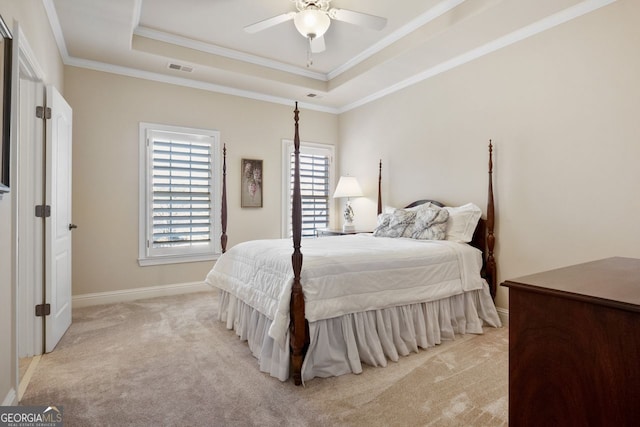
(348, 187)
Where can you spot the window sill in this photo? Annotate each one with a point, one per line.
(176, 259)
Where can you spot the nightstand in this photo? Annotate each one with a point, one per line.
(324, 232)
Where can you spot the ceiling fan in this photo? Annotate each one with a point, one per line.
(313, 18)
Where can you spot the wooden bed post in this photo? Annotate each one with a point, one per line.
(380, 187)
(491, 240)
(223, 208)
(298, 329)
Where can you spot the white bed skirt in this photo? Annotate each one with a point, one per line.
(340, 345)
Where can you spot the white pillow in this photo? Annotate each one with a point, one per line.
(462, 222)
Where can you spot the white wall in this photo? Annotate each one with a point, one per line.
(32, 19)
(562, 109)
(107, 109)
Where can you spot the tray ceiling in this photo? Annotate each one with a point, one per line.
(202, 44)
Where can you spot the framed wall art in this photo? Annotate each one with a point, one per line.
(251, 189)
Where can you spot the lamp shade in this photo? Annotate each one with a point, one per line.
(347, 187)
(312, 23)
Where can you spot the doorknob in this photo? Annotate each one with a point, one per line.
(72, 226)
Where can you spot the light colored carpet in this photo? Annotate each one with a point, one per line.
(167, 361)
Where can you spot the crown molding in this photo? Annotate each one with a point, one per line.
(225, 52)
(431, 14)
(549, 22)
(504, 41)
(54, 22)
(194, 84)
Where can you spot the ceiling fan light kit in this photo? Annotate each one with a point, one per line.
(312, 22)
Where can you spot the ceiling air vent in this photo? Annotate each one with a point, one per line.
(178, 67)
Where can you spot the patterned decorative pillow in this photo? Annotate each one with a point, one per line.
(398, 222)
(383, 223)
(383, 219)
(408, 232)
(430, 224)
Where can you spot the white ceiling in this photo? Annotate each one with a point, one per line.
(422, 38)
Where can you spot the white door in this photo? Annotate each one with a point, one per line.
(58, 225)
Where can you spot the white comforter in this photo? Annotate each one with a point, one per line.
(345, 274)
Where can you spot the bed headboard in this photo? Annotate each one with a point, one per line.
(423, 201)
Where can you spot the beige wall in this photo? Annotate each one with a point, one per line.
(562, 109)
(31, 16)
(107, 110)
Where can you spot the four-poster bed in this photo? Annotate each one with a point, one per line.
(355, 302)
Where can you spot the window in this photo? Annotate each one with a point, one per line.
(316, 178)
(180, 176)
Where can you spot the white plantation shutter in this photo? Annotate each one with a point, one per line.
(181, 203)
(315, 187)
(181, 193)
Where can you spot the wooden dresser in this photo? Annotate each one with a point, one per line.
(574, 345)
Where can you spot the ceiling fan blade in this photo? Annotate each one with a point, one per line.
(358, 18)
(317, 45)
(270, 22)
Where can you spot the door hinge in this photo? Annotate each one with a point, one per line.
(43, 310)
(43, 113)
(43, 211)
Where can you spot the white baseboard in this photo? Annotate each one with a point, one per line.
(24, 382)
(503, 313)
(86, 300)
(11, 399)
